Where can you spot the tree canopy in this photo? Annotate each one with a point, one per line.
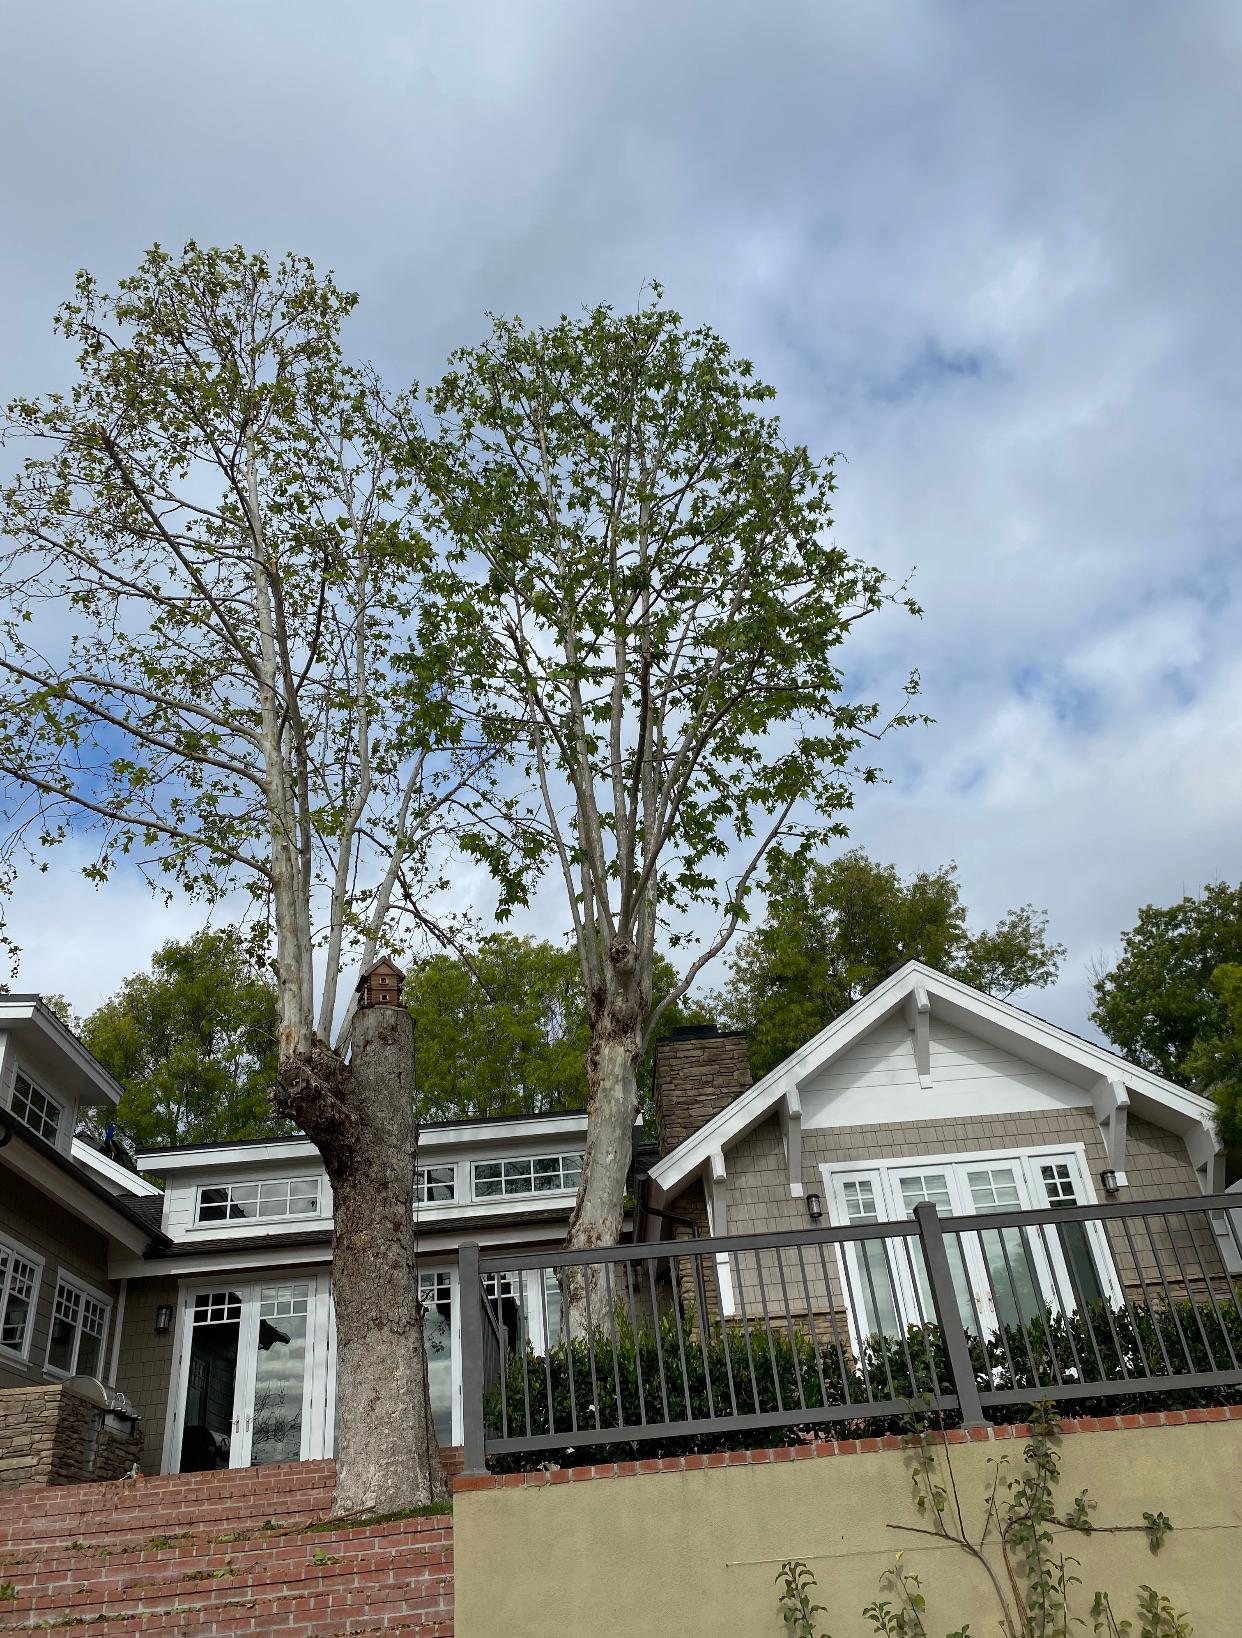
(1160, 1004)
(505, 1030)
(213, 667)
(193, 1042)
(657, 608)
(834, 928)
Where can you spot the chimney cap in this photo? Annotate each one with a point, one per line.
(692, 1032)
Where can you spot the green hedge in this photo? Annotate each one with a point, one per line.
(764, 1371)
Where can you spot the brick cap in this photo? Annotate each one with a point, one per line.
(819, 1449)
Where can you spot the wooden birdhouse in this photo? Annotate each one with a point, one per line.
(382, 986)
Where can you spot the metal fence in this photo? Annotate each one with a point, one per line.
(657, 1346)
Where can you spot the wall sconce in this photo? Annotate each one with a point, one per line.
(1110, 1180)
(814, 1207)
(163, 1319)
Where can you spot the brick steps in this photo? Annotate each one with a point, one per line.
(219, 1553)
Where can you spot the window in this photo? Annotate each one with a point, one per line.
(35, 1109)
(533, 1174)
(79, 1322)
(280, 1197)
(19, 1287)
(1003, 1276)
(1058, 1181)
(435, 1292)
(434, 1183)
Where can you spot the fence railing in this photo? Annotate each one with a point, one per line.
(653, 1345)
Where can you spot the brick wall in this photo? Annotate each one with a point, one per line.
(697, 1074)
(50, 1435)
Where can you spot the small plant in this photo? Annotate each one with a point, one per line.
(1035, 1584)
(797, 1610)
(320, 1557)
(7, 1590)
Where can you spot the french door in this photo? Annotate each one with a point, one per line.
(1002, 1277)
(252, 1376)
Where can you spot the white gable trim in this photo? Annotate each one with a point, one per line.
(1111, 1086)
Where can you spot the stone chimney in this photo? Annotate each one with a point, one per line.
(698, 1072)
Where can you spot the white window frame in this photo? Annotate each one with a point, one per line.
(420, 1182)
(59, 1104)
(1026, 1160)
(560, 1156)
(93, 1294)
(15, 1248)
(229, 1222)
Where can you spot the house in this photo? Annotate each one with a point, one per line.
(207, 1303)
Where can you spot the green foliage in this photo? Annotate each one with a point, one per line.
(1163, 1004)
(617, 1381)
(1214, 1063)
(833, 929)
(1036, 1591)
(211, 516)
(505, 1031)
(193, 1042)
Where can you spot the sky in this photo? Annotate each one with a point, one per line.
(989, 252)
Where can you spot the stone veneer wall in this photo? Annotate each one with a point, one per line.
(696, 1076)
(51, 1435)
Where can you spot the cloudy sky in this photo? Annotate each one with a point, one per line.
(990, 252)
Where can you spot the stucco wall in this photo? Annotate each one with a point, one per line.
(64, 1242)
(697, 1552)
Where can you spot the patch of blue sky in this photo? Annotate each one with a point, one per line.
(1073, 706)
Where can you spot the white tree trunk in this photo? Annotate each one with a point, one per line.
(612, 1070)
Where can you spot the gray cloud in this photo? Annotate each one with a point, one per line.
(990, 252)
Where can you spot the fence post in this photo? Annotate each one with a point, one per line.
(944, 1297)
(470, 1292)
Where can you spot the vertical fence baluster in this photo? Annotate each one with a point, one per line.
(1209, 1285)
(740, 1292)
(590, 1341)
(789, 1327)
(616, 1343)
(1170, 1305)
(944, 1300)
(648, 1271)
(832, 1321)
(681, 1345)
(1141, 1281)
(810, 1320)
(631, 1310)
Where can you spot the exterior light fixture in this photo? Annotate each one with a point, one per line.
(1111, 1181)
(814, 1207)
(163, 1319)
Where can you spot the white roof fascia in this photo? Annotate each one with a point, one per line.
(444, 1244)
(76, 1198)
(431, 1140)
(109, 1170)
(1093, 1062)
(20, 1011)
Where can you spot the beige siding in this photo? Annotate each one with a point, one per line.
(759, 1201)
(64, 1243)
(144, 1370)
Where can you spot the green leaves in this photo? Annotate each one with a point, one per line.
(833, 929)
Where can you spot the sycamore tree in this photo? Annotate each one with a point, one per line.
(659, 612)
(211, 563)
(833, 929)
(504, 1029)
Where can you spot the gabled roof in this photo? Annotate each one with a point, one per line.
(55, 1051)
(917, 989)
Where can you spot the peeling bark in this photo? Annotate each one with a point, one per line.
(360, 1117)
(612, 1108)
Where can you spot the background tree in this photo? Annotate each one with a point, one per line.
(1215, 1061)
(834, 928)
(211, 515)
(193, 1042)
(658, 612)
(1159, 1004)
(506, 1031)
